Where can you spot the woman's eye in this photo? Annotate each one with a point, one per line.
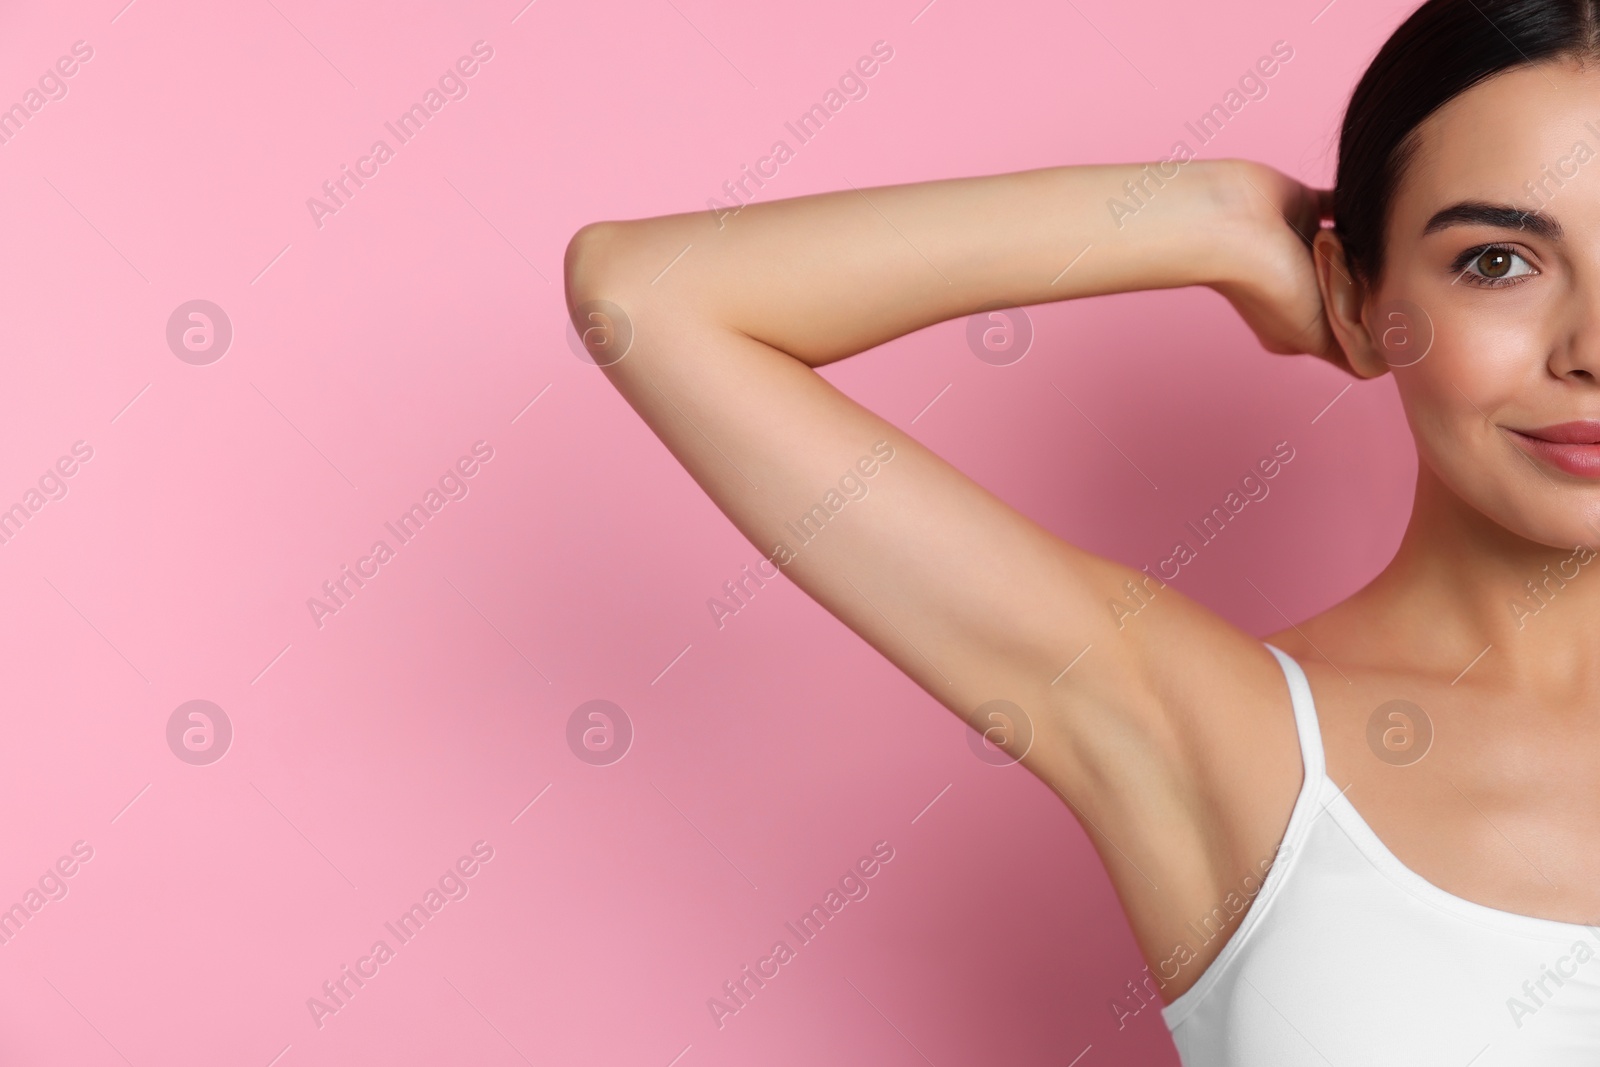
(1496, 264)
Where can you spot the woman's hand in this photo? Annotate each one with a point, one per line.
(1276, 290)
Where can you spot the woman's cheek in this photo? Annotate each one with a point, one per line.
(1481, 371)
(1480, 362)
(1449, 394)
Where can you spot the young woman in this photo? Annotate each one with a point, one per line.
(1430, 907)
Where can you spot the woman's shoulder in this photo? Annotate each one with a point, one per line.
(1372, 682)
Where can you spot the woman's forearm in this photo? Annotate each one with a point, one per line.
(825, 276)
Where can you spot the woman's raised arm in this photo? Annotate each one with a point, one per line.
(1172, 732)
(793, 274)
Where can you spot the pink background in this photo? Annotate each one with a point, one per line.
(426, 315)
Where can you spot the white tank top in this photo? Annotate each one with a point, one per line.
(1347, 957)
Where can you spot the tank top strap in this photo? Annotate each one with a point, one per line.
(1305, 715)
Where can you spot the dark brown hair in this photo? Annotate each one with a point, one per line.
(1445, 48)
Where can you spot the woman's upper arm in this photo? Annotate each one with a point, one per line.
(970, 598)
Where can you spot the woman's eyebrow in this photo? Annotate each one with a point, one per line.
(1501, 216)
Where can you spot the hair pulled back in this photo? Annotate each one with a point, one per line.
(1445, 48)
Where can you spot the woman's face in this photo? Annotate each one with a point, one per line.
(1488, 310)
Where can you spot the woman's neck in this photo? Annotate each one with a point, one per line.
(1463, 595)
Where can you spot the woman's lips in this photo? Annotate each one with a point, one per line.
(1573, 447)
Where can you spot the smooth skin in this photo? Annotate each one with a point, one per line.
(1172, 739)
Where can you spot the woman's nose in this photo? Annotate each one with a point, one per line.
(1577, 356)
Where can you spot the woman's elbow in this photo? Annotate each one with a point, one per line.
(592, 255)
